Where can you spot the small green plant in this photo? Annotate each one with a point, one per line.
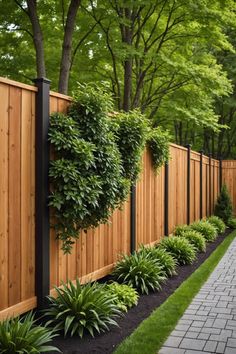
(79, 308)
(158, 142)
(140, 272)
(180, 229)
(196, 239)
(217, 223)
(232, 223)
(124, 295)
(22, 335)
(165, 259)
(223, 207)
(180, 249)
(208, 231)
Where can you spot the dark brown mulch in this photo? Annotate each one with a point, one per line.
(107, 342)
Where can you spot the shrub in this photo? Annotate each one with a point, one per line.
(22, 335)
(180, 248)
(208, 231)
(223, 207)
(232, 223)
(95, 161)
(124, 295)
(196, 239)
(180, 229)
(165, 259)
(140, 272)
(158, 142)
(79, 308)
(217, 223)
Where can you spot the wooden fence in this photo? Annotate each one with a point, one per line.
(185, 189)
(229, 178)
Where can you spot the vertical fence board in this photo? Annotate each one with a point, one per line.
(4, 127)
(27, 237)
(14, 195)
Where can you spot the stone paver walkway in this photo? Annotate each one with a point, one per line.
(209, 323)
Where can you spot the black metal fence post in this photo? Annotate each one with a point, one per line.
(133, 219)
(188, 181)
(201, 158)
(42, 228)
(166, 200)
(210, 197)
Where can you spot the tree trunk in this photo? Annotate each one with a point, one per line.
(67, 46)
(37, 37)
(128, 64)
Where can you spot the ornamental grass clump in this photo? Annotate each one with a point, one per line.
(82, 308)
(139, 271)
(124, 295)
(166, 260)
(196, 239)
(208, 231)
(22, 335)
(218, 223)
(180, 229)
(180, 248)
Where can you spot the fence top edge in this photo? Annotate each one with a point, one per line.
(4, 80)
(178, 147)
(60, 95)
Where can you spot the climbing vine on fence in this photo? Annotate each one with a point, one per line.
(96, 158)
(158, 142)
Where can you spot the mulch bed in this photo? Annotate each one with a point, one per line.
(107, 342)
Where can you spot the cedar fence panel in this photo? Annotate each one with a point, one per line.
(17, 194)
(96, 251)
(229, 178)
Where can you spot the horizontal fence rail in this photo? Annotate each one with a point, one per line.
(182, 191)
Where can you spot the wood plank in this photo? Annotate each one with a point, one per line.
(27, 188)
(13, 83)
(4, 128)
(14, 196)
(19, 308)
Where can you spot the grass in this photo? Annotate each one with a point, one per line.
(152, 332)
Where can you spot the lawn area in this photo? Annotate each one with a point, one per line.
(152, 333)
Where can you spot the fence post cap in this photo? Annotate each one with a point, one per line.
(41, 79)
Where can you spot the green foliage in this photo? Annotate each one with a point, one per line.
(124, 295)
(217, 223)
(165, 259)
(208, 231)
(22, 335)
(196, 239)
(131, 131)
(232, 223)
(180, 249)
(223, 207)
(140, 272)
(180, 229)
(82, 308)
(87, 176)
(158, 142)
